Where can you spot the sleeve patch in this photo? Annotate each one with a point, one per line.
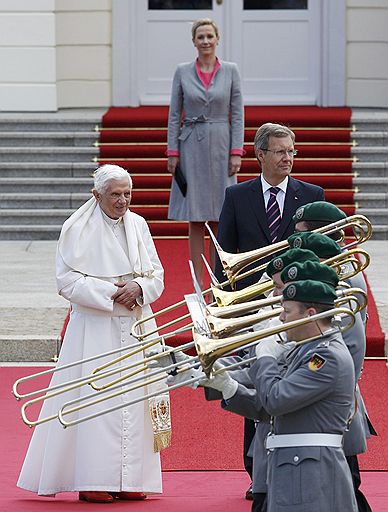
(316, 362)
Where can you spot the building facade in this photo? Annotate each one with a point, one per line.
(96, 53)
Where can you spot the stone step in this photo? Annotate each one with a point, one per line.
(34, 217)
(28, 232)
(368, 169)
(41, 139)
(378, 138)
(75, 120)
(47, 169)
(377, 216)
(370, 153)
(48, 216)
(68, 137)
(26, 200)
(380, 232)
(29, 348)
(85, 169)
(370, 184)
(370, 120)
(371, 200)
(48, 154)
(33, 185)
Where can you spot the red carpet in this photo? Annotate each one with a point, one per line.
(135, 138)
(204, 437)
(182, 492)
(374, 334)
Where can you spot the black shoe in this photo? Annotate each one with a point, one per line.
(248, 494)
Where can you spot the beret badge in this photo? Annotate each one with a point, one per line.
(297, 242)
(291, 291)
(292, 273)
(278, 263)
(299, 213)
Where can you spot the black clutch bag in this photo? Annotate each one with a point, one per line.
(180, 180)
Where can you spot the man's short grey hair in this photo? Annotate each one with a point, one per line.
(104, 174)
(270, 130)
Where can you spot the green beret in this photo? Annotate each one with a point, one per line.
(278, 263)
(320, 211)
(321, 245)
(310, 291)
(310, 270)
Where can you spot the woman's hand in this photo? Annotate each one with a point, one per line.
(172, 162)
(234, 164)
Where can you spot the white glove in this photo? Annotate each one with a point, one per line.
(270, 347)
(222, 382)
(265, 277)
(189, 373)
(166, 360)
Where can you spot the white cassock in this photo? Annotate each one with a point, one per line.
(114, 452)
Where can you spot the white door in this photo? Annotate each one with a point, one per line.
(166, 34)
(278, 46)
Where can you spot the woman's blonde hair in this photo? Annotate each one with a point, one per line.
(204, 21)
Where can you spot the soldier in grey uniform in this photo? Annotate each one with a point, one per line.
(313, 216)
(310, 402)
(309, 266)
(308, 391)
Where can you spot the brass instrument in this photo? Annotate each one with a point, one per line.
(221, 327)
(225, 298)
(207, 354)
(209, 351)
(71, 385)
(233, 264)
(245, 307)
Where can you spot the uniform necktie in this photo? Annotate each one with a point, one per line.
(273, 214)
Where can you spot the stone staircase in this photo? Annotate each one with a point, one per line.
(46, 162)
(45, 166)
(371, 168)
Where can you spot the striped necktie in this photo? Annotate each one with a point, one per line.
(273, 214)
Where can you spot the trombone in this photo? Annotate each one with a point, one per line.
(225, 298)
(233, 264)
(208, 351)
(222, 328)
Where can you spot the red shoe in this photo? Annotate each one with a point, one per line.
(129, 495)
(95, 497)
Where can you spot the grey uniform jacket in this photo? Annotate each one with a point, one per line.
(213, 124)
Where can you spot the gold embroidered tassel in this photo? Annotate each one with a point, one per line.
(160, 413)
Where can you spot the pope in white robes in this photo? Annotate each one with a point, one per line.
(108, 269)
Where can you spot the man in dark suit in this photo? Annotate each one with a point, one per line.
(244, 222)
(259, 212)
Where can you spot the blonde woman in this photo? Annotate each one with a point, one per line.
(208, 144)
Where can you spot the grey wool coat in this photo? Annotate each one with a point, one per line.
(213, 124)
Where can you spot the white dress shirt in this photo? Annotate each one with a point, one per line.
(280, 195)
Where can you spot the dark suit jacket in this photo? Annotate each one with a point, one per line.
(243, 221)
